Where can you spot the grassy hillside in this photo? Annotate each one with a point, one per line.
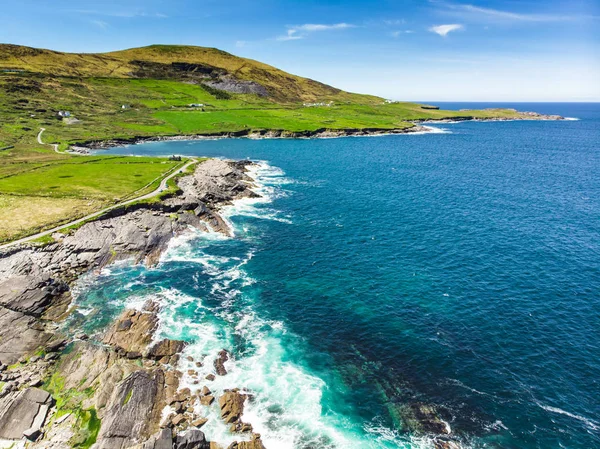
(171, 62)
(144, 92)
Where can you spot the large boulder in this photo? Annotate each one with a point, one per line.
(192, 439)
(132, 332)
(219, 362)
(165, 349)
(232, 406)
(23, 413)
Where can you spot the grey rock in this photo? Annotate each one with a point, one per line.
(192, 439)
(162, 440)
(136, 404)
(19, 335)
(21, 411)
(233, 85)
(165, 348)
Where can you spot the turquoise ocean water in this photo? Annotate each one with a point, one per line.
(459, 269)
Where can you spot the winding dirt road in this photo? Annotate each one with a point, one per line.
(157, 191)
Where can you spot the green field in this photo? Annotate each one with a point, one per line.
(37, 196)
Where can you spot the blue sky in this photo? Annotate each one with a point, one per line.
(412, 50)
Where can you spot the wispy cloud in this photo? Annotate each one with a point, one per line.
(465, 10)
(395, 22)
(301, 31)
(100, 24)
(240, 44)
(399, 33)
(443, 30)
(121, 14)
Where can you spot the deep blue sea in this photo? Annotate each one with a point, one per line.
(459, 269)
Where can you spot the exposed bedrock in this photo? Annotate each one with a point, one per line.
(23, 413)
(117, 383)
(134, 410)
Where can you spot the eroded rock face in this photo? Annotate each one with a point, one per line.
(132, 332)
(254, 443)
(30, 293)
(134, 408)
(219, 362)
(230, 84)
(232, 406)
(19, 334)
(23, 413)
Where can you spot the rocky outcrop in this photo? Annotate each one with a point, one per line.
(133, 411)
(219, 362)
(126, 378)
(23, 413)
(35, 279)
(132, 332)
(254, 443)
(445, 444)
(230, 84)
(232, 406)
(20, 334)
(165, 350)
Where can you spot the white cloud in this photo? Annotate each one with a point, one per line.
(395, 22)
(240, 44)
(100, 24)
(400, 33)
(498, 14)
(301, 31)
(443, 30)
(290, 36)
(121, 14)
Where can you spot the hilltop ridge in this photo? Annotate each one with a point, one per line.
(175, 62)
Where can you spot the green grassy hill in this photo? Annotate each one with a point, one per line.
(173, 62)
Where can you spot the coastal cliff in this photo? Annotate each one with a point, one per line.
(120, 388)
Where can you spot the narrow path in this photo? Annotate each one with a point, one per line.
(160, 189)
(53, 145)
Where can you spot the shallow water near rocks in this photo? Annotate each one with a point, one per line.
(457, 269)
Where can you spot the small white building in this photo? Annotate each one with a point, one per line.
(196, 105)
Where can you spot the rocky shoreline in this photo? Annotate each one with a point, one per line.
(322, 133)
(119, 389)
(86, 147)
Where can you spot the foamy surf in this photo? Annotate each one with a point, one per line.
(267, 182)
(593, 425)
(433, 130)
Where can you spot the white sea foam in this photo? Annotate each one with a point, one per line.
(572, 119)
(593, 425)
(268, 181)
(430, 130)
